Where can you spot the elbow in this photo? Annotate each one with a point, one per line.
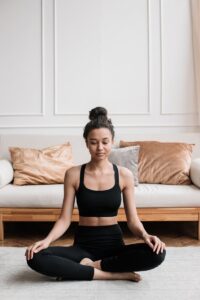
(64, 221)
(131, 224)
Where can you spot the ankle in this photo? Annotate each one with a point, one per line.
(97, 264)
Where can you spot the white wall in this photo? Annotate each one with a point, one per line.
(60, 58)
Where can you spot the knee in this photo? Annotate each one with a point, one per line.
(32, 262)
(35, 261)
(159, 258)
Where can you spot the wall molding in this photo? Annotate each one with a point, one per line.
(42, 113)
(82, 126)
(126, 113)
(161, 65)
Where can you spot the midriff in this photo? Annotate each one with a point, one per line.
(97, 221)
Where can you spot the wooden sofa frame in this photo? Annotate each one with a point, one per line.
(145, 214)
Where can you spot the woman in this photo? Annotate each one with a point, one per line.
(98, 251)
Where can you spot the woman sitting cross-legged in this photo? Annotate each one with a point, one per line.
(98, 250)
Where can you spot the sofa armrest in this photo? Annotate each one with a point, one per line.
(6, 172)
(195, 172)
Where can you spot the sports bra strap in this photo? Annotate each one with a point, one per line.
(115, 171)
(116, 174)
(82, 174)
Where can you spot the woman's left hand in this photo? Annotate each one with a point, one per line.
(154, 242)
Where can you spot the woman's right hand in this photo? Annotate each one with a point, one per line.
(36, 247)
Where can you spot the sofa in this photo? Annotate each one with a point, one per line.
(154, 202)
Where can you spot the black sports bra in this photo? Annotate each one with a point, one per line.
(92, 203)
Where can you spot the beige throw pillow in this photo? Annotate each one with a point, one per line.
(163, 162)
(46, 166)
(126, 157)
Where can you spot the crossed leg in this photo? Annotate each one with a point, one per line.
(62, 262)
(69, 263)
(130, 258)
(101, 275)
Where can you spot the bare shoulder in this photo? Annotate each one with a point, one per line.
(126, 176)
(72, 174)
(125, 172)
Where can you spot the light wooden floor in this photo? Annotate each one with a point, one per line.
(22, 234)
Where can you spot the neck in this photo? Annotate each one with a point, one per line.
(100, 165)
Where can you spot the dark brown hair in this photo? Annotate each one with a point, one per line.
(98, 119)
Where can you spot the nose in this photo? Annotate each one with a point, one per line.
(100, 146)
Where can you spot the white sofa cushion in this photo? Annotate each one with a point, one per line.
(6, 172)
(146, 195)
(195, 172)
(161, 195)
(45, 195)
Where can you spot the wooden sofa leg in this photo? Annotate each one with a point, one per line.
(1, 229)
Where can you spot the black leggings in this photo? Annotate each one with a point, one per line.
(103, 243)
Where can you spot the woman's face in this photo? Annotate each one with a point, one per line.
(99, 143)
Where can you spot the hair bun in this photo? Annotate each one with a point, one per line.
(96, 112)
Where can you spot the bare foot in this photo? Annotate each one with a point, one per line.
(135, 277)
(87, 262)
(129, 275)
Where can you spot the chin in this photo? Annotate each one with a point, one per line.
(99, 157)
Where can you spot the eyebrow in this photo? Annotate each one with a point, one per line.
(92, 139)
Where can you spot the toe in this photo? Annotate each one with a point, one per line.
(137, 276)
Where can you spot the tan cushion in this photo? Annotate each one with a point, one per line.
(46, 166)
(163, 162)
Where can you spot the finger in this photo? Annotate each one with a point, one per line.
(155, 245)
(149, 244)
(163, 246)
(158, 248)
(33, 251)
(28, 253)
(39, 249)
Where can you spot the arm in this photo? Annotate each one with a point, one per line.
(64, 220)
(133, 221)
